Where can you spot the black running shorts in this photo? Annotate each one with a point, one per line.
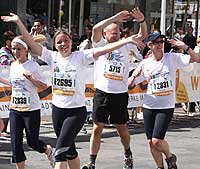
(110, 108)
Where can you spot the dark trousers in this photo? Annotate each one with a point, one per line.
(30, 121)
(5, 122)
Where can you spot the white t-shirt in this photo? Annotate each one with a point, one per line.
(111, 70)
(197, 49)
(24, 93)
(161, 77)
(68, 83)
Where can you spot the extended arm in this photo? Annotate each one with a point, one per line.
(35, 47)
(115, 45)
(194, 57)
(98, 28)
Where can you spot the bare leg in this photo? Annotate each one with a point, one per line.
(157, 147)
(95, 139)
(61, 165)
(20, 165)
(74, 164)
(157, 155)
(124, 135)
(162, 146)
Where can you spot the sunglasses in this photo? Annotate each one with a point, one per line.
(158, 41)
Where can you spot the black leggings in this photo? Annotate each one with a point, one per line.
(30, 121)
(67, 124)
(156, 122)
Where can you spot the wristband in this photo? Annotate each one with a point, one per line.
(142, 21)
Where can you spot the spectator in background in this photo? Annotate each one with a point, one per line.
(52, 28)
(85, 40)
(6, 58)
(179, 34)
(38, 29)
(41, 39)
(190, 40)
(8, 36)
(125, 32)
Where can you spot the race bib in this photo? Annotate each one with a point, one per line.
(64, 84)
(20, 100)
(114, 70)
(161, 85)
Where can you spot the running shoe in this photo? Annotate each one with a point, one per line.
(50, 155)
(89, 166)
(128, 162)
(171, 162)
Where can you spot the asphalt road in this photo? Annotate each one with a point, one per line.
(183, 136)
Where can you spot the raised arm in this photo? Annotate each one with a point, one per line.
(115, 45)
(139, 17)
(34, 47)
(98, 28)
(194, 57)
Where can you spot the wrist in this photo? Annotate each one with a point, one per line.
(187, 48)
(114, 19)
(142, 21)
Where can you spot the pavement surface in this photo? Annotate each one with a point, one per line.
(183, 136)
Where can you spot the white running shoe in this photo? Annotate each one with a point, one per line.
(50, 155)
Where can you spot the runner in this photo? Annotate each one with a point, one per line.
(159, 69)
(111, 82)
(69, 110)
(25, 78)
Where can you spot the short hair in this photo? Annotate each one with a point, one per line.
(38, 20)
(191, 27)
(8, 35)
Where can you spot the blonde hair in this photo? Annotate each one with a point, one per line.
(198, 40)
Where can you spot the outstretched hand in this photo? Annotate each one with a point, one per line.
(122, 16)
(12, 18)
(138, 41)
(177, 43)
(137, 14)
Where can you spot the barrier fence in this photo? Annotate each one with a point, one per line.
(187, 89)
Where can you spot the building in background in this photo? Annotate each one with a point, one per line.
(75, 14)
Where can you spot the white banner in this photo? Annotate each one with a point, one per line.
(188, 89)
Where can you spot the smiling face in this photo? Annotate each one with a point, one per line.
(19, 51)
(157, 44)
(63, 44)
